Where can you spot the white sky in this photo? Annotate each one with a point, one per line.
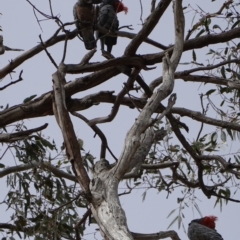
(20, 30)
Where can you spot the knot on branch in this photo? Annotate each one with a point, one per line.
(101, 165)
(159, 134)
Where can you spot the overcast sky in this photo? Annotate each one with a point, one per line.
(21, 30)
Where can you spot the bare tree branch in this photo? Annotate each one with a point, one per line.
(119, 98)
(5, 48)
(13, 82)
(97, 130)
(12, 137)
(135, 61)
(209, 15)
(147, 27)
(45, 165)
(156, 236)
(70, 140)
(195, 43)
(132, 141)
(185, 75)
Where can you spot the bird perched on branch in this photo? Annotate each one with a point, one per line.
(203, 229)
(83, 12)
(107, 20)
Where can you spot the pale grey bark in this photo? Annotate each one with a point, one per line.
(41, 164)
(105, 204)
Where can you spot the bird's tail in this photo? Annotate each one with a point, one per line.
(88, 39)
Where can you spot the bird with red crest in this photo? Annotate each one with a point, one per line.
(107, 20)
(203, 229)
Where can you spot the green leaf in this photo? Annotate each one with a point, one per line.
(171, 213)
(47, 144)
(172, 222)
(144, 196)
(194, 56)
(200, 33)
(223, 136)
(223, 72)
(235, 24)
(226, 50)
(214, 137)
(216, 26)
(229, 132)
(210, 92)
(28, 99)
(2, 165)
(179, 222)
(197, 208)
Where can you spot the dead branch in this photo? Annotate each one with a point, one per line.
(42, 105)
(185, 75)
(127, 87)
(48, 54)
(147, 27)
(13, 82)
(65, 124)
(207, 16)
(97, 130)
(171, 101)
(132, 141)
(160, 165)
(45, 165)
(5, 48)
(195, 43)
(87, 57)
(124, 61)
(127, 71)
(12, 137)
(156, 236)
(132, 36)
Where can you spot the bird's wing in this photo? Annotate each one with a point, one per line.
(75, 16)
(84, 13)
(198, 231)
(107, 18)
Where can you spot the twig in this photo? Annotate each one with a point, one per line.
(65, 48)
(171, 101)
(34, 11)
(119, 98)
(66, 126)
(5, 48)
(98, 131)
(50, 5)
(48, 54)
(140, 1)
(101, 135)
(12, 137)
(126, 26)
(155, 236)
(147, 27)
(45, 165)
(82, 221)
(127, 71)
(203, 112)
(153, 5)
(13, 82)
(65, 204)
(88, 56)
(209, 15)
